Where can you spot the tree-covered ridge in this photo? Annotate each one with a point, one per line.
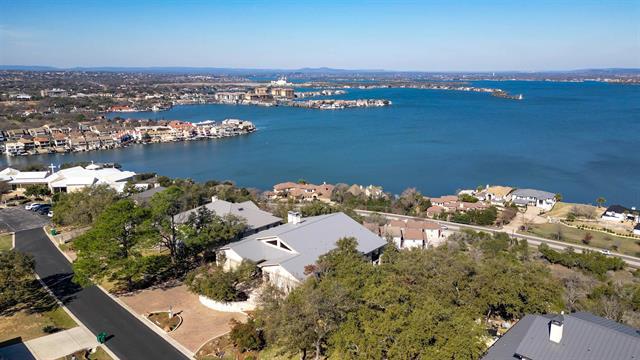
(421, 303)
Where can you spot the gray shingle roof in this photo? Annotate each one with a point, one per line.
(310, 239)
(256, 218)
(584, 336)
(147, 194)
(538, 194)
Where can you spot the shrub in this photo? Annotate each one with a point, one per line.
(246, 337)
(590, 261)
(219, 285)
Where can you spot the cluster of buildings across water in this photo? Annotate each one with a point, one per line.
(113, 134)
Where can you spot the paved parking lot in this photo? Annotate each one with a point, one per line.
(17, 219)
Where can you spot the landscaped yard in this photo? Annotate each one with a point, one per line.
(573, 235)
(30, 325)
(162, 320)
(562, 209)
(221, 348)
(100, 354)
(6, 242)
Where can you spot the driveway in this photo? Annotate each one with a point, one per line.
(14, 219)
(128, 337)
(200, 323)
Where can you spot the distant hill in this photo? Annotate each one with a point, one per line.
(306, 70)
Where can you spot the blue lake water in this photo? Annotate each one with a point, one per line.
(578, 139)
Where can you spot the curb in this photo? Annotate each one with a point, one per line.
(144, 320)
(73, 317)
(149, 324)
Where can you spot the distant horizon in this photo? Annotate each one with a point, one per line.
(6, 67)
(405, 35)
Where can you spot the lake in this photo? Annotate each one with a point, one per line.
(578, 139)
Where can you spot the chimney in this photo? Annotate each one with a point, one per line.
(294, 217)
(214, 198)
(555, 328)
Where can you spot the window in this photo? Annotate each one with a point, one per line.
(273, 242)
(284, 247)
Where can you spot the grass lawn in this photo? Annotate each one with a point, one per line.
(223, 346)
(6, 242)
(599, 240)
(30, 325)
(100, 354)
(562, 209)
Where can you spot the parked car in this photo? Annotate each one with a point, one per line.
(44, 209)
(50, 214)
(31, 206)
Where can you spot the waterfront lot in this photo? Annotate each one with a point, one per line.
(16, 219)
(572, 235)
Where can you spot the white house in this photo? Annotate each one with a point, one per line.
(412, 234)
(496, 195)
(530, 197)
(619, 213)
(636, 229)
(283, 252)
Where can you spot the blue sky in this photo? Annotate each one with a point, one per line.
(400, 35)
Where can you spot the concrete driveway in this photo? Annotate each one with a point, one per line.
(15, 219)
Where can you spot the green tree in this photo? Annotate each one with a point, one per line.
(111, 249)
(204, 231)
(601, 201)
(246, 336)
(16, 276)
(82, 208)
(37, 190)
(165, 205)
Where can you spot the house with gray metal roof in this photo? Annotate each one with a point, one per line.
(257, 219)
(580, 336)
(284, 251)
(531, 197)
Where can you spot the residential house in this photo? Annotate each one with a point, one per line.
(580, 335)
(59, 140)
(256, 218)
(286, 253)
(308, 192)
(146, 195)
(39, 131)
(443, 200)
(620, 213)
(530, 197)
(41, 142)
(495, 195)
(286, 93)
(14, 148)
(411, 233)
(636, 229)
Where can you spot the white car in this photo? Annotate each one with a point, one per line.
(605, 252)
(50, 214)
(31, 206)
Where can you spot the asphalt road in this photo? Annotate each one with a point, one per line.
(130, 339)
(532, 240)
